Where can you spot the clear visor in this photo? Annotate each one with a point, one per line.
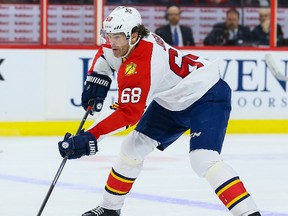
(103, 37)
(116, 39)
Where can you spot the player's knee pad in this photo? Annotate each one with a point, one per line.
(202, 160)
(136, 147)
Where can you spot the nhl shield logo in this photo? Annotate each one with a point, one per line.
(130, 69)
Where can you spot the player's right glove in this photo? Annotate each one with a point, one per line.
(96, 88)
(77, 146)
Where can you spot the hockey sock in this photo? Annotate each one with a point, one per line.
(126, 169)
(120, 181)
(118, 184)
(232, 192)
(230, 189)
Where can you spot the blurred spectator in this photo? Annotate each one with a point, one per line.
(229, 33)
(261, 33)
(174, 33)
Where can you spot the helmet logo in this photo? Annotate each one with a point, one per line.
(128, 10)
(118, 27)
(108, 19)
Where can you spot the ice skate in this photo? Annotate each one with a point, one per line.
(99, 211)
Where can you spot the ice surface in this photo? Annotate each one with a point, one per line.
(167, 185)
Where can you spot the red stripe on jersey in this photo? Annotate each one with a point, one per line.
(106, 46)
(134, 79)
(120, 118)
(97, 56)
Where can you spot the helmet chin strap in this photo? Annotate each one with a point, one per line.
(130, 46)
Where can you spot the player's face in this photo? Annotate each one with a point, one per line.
(119, 44)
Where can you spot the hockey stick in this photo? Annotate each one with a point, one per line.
(90, 107)
(274, 69)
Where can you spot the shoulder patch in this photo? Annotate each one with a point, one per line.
(130, 69)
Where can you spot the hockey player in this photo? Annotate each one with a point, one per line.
(185, 92)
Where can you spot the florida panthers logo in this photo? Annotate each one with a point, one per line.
(130, 69)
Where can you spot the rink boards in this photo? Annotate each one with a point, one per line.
(41, 89)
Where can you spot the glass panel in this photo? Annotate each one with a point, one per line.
(19, 22)
(71, 22)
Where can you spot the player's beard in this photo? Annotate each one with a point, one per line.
(120, 50)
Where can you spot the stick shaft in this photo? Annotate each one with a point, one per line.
(59, 171)
(52, 185)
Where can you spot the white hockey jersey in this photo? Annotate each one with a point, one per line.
(153, 71)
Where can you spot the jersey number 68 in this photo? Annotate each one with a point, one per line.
(131, 95)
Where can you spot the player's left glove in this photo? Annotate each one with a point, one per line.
(78, 146)
(96, 88)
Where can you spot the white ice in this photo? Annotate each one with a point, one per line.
(167, 185)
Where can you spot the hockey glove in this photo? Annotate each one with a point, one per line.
(78, 146)
(96, 88)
